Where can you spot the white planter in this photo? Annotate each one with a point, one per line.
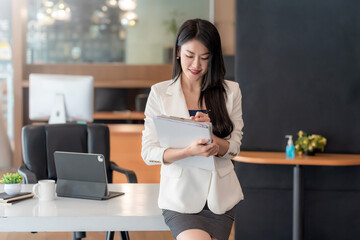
(12, 189)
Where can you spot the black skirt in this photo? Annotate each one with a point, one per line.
(217, 225)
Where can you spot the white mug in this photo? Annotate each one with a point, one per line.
(45, 190)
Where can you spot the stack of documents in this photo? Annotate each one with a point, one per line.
(6, 199)
(175, 132)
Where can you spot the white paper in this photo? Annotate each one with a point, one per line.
(176, 132)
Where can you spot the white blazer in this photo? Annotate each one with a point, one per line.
(186, 189)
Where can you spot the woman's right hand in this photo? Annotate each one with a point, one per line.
(197, 148)
(202, 148)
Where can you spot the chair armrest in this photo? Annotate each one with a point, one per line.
(130, 175)
(29, 176)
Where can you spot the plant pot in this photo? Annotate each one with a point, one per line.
(12, 189)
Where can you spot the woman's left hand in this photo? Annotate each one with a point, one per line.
(201, 117)
(221, 146)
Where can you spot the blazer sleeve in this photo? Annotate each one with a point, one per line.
(236, 117)
(151, 151)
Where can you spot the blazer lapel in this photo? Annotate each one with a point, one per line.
(174, 103)
(229, 102)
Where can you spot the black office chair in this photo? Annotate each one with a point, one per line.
(39, 142)
(140, 102)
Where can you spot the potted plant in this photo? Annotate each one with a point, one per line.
(12, 183)
(172, 26)
(308, 144)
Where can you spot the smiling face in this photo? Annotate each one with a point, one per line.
(194, 57)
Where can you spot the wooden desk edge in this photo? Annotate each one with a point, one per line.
(125, 115)
(321, 159)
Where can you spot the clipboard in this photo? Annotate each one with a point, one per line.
(175, 132)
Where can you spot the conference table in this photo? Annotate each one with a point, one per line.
(320, 159)
(136, 210)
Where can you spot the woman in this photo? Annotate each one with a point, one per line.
(197, 203)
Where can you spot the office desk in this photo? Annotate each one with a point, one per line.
(317, 160)
(137, 210)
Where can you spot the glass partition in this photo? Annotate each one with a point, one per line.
(101, 31)
(6, 86)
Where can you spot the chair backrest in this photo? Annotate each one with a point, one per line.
(140, 102)
(39, 142)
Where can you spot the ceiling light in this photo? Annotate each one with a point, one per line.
(61, 11)
(112, 3)
(104, 8)
(129, 19)
(47, 3)
(127, 5)
(100, 17)
(44, 16)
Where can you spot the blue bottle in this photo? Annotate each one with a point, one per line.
(290, 149)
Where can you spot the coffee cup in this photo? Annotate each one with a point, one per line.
(45, 190)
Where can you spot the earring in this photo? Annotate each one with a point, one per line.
(177, 57)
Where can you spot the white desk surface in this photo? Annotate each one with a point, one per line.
(137, 210)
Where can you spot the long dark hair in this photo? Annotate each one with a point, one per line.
(213, 84)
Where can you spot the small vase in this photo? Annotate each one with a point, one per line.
(12, 189)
